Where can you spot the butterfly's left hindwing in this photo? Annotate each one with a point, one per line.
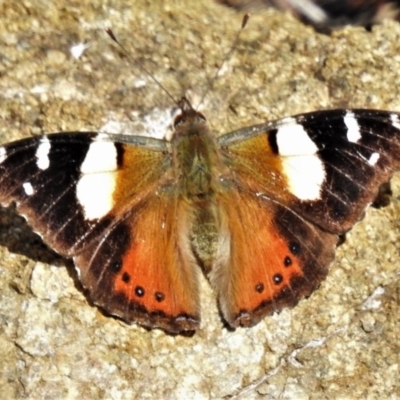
(276, 257)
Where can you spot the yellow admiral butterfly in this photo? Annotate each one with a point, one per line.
(259, 209)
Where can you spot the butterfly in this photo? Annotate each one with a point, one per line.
(328, 14)
(259, 210)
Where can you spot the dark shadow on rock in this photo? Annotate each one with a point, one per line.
(17, 236)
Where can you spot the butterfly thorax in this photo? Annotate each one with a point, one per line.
(195, 157)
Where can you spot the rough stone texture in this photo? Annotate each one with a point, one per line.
(342, 342)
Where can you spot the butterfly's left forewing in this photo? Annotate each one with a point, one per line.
(293, 187)
(326, 165)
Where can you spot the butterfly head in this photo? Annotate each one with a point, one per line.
(188, 115)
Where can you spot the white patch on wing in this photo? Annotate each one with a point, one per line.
(95, 193)
(97, 184)
(3, 154)
(301, 164)
(305, 175)
(42, 153)
(28, 188)
(353, 129)
(101, 156)
(395, 120)
(293, 140)
(373, 159)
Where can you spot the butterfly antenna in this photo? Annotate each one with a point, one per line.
(140, 66)
(228, 56)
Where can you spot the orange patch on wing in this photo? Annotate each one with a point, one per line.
(255, 160)
(265, 268)
(157, 271)
(141, 171)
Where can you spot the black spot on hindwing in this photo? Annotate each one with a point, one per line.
(310, 248)
(139, 291)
